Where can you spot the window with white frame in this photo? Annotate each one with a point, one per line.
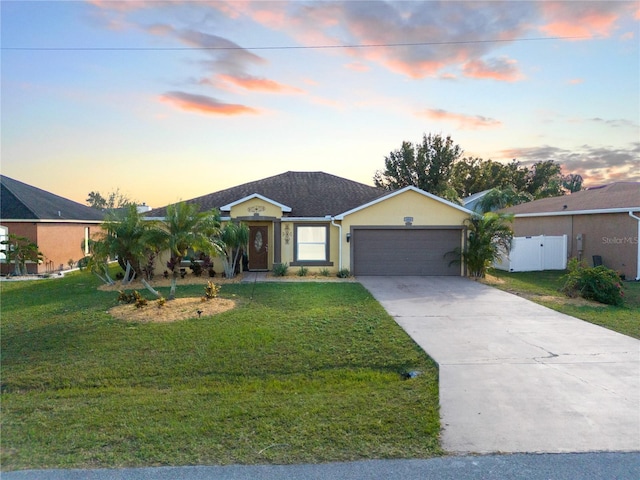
(4, 235)
(311, 243)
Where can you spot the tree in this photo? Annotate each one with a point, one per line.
(95, 200)
(497, 198)
(544, 179)
(473, 175)
(572, 182)
(128, 238)
(184, 228)
(114, 200)
(490, 236)
(97, 262)
(20, 250)
(233, 238)
(426, 166)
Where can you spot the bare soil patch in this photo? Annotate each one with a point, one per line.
(172, 310)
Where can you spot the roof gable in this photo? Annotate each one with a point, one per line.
(399, 192)
(619, 196)
(229, 206)
(307, 194)
(19, 201)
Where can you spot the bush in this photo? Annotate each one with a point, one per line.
(593, 283)
(302, 271)
(325, 272)
(344, 273)
(211, 290)
(133, 297)
(280, 269)
(196, 268)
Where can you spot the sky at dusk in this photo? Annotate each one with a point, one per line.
(170, 100)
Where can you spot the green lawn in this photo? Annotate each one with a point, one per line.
(298, 372)
(543, 288)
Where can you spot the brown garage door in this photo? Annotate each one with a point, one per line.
(408, 251)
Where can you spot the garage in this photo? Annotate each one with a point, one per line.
(405, 251)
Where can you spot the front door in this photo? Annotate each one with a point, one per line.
(258, 248)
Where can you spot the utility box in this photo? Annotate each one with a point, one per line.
(531, 254)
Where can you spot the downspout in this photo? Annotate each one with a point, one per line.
(340, 242)
(638, 242)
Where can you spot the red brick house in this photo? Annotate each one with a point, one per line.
(56, 224)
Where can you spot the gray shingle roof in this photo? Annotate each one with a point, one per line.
(19, 201)
(619, 195)
(309, 194)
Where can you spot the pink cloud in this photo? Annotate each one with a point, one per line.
(249, 82)
(204, 104)
(581, 19)
(627, 36)
(501, 69)
(464, 121)
(357, 67)
(576, 81)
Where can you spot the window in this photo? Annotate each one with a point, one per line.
(4, 235)
(87, 236)
(311, 245)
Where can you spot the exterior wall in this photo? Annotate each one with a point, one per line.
(58, 242)
(613, 236)
(21, 229)
(426, 212)
(255, 206)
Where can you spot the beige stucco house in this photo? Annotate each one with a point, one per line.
(601, 223)
(320, 221)
(56, 224)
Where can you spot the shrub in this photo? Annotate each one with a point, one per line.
(280, 269)
(302, 271)
(344, 273)
(124, 297)
(196, 268)
(134, 297)
(211, 290)
(140, 300)
(161, 301)
(325, 272)
(593, 283)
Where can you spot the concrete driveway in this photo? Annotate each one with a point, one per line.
(516, 376)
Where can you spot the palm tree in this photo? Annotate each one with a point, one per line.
(233, 238)
(489, 236)
(184, 228)
(127, 237)
(20, 250)
(496, 199)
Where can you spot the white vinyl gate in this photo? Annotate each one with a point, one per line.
(529, 254)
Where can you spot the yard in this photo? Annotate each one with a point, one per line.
(296, 372)
(543, 288)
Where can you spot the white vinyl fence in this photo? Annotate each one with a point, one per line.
(529, 254)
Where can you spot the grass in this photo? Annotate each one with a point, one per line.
(298, 372)
(543, 288)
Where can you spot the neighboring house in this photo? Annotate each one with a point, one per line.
(320, 221)
(57, 225)
(472, 202)
(602, 223)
